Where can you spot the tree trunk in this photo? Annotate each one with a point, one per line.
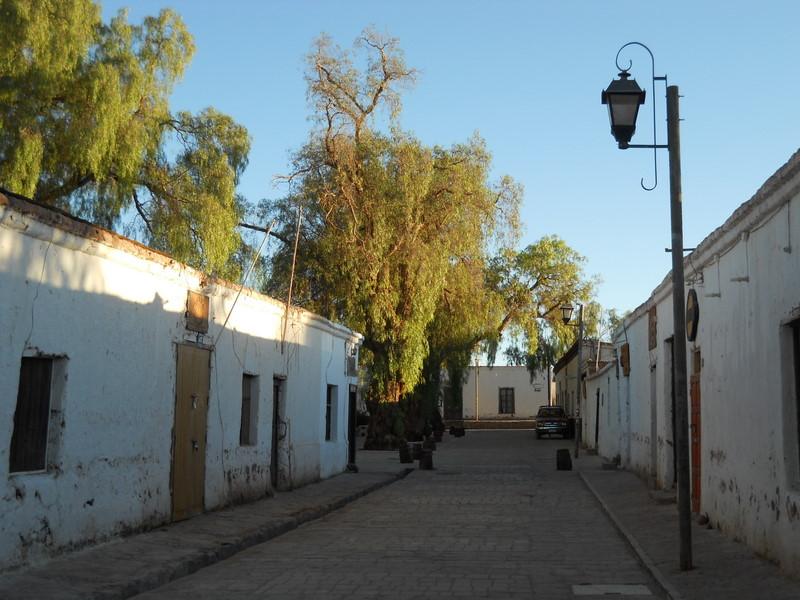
(386, 424)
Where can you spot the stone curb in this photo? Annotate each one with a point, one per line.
(646, 561)
(207, 557)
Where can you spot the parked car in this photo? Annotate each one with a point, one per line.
(551, 420)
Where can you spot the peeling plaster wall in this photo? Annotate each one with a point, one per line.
(747, 278)
(528, 396)
(601, 414)
(749, 437)
(113, 313)
(646, 440)
(638, 395)
(566, 386)
(611, 424)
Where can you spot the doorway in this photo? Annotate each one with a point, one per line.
(653, 425)
(351, 425)
(694, 394)
(189, 434)
(670, 354)
(278, 431)
(597, 420)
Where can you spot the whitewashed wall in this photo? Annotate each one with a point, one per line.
(528, 396)
(747, 278)
(594, 356)
(114, 311)
(601, 413)
(566, 385)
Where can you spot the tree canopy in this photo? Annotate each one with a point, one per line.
(387, 219)
(409, 244)
(534, 284)
(85, 125)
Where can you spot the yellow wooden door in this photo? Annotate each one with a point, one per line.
(189, 435)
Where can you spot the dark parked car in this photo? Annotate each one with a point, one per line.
(550, 420)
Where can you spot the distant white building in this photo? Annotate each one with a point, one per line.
(124, 401)
(743, 370)
(503, 393)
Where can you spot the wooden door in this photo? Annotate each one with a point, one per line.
(695, 433)
(189, 436)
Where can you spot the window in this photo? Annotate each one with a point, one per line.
(351, 359)
(197, 312)
(247, 430)
(506, 401)
(330, 412)
(38, 410)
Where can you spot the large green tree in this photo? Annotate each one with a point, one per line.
(85, 125)
(513, 299)
(534, 283)
(386, 219)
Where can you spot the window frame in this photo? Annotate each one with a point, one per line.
(50, 429)
(331, 406)
(248, 428)
(503, 395)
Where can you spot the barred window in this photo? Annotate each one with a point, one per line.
(38, 408)
(506, 403)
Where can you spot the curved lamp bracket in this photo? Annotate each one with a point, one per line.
(654, 145)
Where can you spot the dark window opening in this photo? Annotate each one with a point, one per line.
(330, 410)
(506, 401)
(247, 430)
(32, 416)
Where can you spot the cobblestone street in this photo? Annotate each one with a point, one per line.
(493, 520)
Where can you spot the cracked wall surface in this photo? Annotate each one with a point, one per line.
(112, 313)
(747, 278)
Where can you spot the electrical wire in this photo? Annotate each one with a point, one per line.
(244, 281)
(291, 276)
(36, 295)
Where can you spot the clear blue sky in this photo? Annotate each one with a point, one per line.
(527, 76)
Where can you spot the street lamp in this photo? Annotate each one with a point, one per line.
(623, 97)
(623, 103)
(566, 315)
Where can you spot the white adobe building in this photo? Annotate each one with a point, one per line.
(744, 376)
(594, 355)
(124, 401)
(503, 393)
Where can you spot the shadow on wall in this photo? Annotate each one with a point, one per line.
(109, 460)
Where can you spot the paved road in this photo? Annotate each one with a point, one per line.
(493, 520)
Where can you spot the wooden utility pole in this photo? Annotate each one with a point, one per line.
(578, 419)
(679, 319)
(477, 370)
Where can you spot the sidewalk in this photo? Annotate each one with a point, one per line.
(128, 566)
(724, 569)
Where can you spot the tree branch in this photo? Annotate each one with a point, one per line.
(142, 213)
(65, 189)
(277, 236)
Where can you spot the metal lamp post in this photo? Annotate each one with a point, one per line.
(623, 98)
(566, 316)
